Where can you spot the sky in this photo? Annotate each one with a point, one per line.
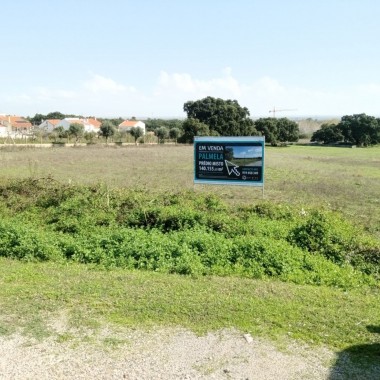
(146, 58)
(247, 151)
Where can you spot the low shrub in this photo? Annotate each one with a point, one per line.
(27, 243)
(333, 237)
(184, 233)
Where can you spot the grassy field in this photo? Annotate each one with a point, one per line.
(335, 178)
(348, 180)
(33, 294)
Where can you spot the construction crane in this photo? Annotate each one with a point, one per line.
(274, 110)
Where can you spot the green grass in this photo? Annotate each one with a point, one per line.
(338, 178)
(184, 233)
(348, 180)
(33, 294)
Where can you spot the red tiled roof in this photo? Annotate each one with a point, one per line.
(94, 122)
(53, 121)
(16, 121)
(128, 123)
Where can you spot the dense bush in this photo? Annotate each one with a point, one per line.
(358, 129)
(184, 233)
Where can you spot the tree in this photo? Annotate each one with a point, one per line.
(329, 133)
(55, 115)
(90, 137)
(162, 133)
(107, 129)
(191, 128)
(76, 130)
(57, 134)
(225, 117)
(277, 130)
(136, 133)
(153, 124)
(288, 130)
(360, 129)
(267, 127)
(38, 134)
(174, 133)
(37, 119)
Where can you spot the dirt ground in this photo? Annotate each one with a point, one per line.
(165, 354)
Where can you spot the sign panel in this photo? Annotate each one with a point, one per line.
(229, 160)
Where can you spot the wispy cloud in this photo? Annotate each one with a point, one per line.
(186, 83)
(104, 96)
(45, 93)
(100, 84)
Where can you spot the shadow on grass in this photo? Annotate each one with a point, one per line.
(358, 362)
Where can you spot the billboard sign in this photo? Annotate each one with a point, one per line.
(229, 160)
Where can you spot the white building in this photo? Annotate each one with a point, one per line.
(14, 126)
(127, 125)
(49, 125)
(90, 125)
(3, 131)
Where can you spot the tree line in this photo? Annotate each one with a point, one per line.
(358, 129)
(218, 117)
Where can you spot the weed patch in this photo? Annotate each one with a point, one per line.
(184, 233)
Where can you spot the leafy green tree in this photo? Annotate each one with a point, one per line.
(174, 133)
(277, 130)
(115, 121)
(329, 133)
(288, 130)
(360, 129)
(225, 117)
(107, 129)
(136, 133)
(268, 127)
(76, 130)
(90, 137)
(153, 124)
(56, 115)
(37, 119)
(191, 128)
(228, 153)
(57, 134)
(162, 133)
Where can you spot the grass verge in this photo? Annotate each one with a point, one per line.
(34, 293)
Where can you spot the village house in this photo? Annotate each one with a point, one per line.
(127, 125)
(14, 126)
(89, 124)
(49, 125)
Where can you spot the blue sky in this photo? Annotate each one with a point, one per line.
(247, 151)
(146, 58)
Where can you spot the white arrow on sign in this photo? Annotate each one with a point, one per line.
(232, 168)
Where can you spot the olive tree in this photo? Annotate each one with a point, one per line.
(174, 133)
(162, 133)
(76, 130)
(136, 133)
(107, 129)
